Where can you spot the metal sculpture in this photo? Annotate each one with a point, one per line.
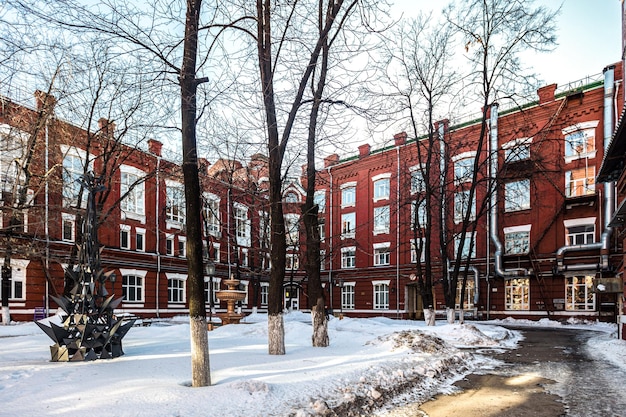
(90, 330)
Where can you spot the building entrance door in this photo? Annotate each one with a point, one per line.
(292, 297)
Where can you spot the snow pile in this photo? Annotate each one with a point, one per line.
(370, 363)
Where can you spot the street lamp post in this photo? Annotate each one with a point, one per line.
(209, 268)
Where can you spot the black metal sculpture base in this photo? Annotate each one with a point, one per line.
(89, 327)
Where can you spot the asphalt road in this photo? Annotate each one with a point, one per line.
(551, 374)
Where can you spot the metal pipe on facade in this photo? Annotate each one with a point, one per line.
(158, 235)
(330, 255)
(498, 268)
(609, 193)
(397, 232)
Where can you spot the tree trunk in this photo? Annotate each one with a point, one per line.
(200, 367)
(429, 316)
(450, 313)
(276, 334)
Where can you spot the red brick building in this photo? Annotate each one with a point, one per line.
(541, 245)
(141, 212)
(544, 244)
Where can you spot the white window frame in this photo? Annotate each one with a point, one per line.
(348, 257)
(71, 220)
(264, 293)
(382, 186)
(382, 254)
(579, 295)
(419, 206)
(461, 204)
(469, 294)
(125, 232)
(348, 194)
(212, 214)
(517, 195)
(169, 245)
(182, 246)
(175, 204)
(589, 236)
(517, 240)
(140, 235)
(292, 261)
(72, 173)
(18, 279)
(575, 148)
(463, 167)
(469, 238)
(348, 225)
(414, 248)
(382, 220)
(575, 186)
(242, 224)
(381, 294)
(517, 150)
(319, 198)
(348, 295)
(181, 291)
(133, 204)
(517, 294)
(141, 286)
(292, 229)
(418, 184)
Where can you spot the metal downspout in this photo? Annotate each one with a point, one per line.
(498, 268)
(397, 232)
(609, 193)
(158, 236)
(47, 215)
(329, 255)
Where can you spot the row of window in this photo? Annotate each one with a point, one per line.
(579, 295)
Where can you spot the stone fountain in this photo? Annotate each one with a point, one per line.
(231, 296)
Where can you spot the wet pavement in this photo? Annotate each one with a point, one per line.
(551, 374)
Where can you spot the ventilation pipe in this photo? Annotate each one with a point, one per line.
(498, 268)
(609, 194)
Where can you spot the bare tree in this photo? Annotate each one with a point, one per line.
(493, 33)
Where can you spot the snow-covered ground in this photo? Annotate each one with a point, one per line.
(369, 363)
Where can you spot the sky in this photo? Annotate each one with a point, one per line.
(365, 358)
(588, 34)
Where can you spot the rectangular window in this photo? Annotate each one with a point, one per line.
(418, 185)
(381, 296)
(132, 191)
(517, 294)
(463, 170)
(580, 144)
(580, 182)
(418, 249)
(17, 289)
(348, 224)
(381, 189)
(381, 219)
(264, 230)
(182, 247)
(322, 260)
(124, 236)
(208, 292)
(347, 296)
(292, 229)
(517, 150)
(322, 229)
(517, 195)
(264, 293)
(319, 198)
(418, 214)
(382, 255)
(468, 299)
(516, 242)
(140, 240)
(169, 245)
(242, 225)
(462, 204)
(175, 203)
(73, 170)
(348, 196)
(176, 290)
(469, 245)
(243, 257)
(348, 257)
(212, 215)
(132, 288)
(69, 222)
(579, 294)
(292, 262)
(581, 234)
